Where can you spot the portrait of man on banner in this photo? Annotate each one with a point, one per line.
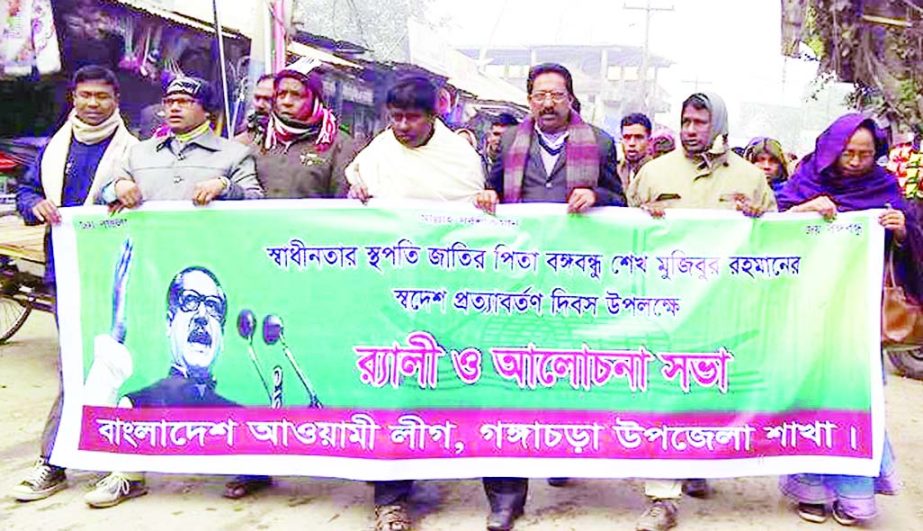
(196, 312)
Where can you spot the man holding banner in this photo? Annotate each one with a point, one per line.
(419, 158)
(191, 163)
(450, 344)
(302, 153)
(554, 156)
(79, 159)
(705, 173)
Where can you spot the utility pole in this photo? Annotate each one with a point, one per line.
(482, 54)
(695, 83)
(645, 58)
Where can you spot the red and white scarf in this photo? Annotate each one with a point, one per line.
(321, 123)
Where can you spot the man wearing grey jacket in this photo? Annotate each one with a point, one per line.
(189, 163)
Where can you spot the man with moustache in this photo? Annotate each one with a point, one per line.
(554, 156)
(551, 157)
(196, 315)
(255, 126)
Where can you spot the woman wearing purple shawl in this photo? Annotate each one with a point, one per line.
(841, 176)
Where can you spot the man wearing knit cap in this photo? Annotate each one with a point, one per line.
(303, 153)
(191, 163)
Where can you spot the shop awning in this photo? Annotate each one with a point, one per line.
(310, 52)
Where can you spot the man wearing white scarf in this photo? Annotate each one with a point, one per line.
(418, 157)
(80, 157)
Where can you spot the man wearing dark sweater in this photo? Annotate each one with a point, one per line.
(81, 156)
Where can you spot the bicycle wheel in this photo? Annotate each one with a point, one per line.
(12, 317)
(908, 362)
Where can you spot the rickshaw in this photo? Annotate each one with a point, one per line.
(22, 265)
(22, 252)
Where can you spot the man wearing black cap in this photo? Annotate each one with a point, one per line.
(191, 163)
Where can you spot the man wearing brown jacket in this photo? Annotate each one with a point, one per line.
(302, 153)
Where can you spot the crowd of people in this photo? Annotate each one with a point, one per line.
(293, 147)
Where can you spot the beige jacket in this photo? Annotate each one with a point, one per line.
(675, 181)
(627, 170)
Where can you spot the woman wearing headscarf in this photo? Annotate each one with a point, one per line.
(842, 176)
(767, 155)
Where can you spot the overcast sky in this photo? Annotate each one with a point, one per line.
(732, 45)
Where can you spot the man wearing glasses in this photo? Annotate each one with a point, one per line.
(81, 157)
(554, 156)
(191, 163)
(196, 313)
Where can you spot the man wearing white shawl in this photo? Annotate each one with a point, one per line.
(81, 156)
(418, 157)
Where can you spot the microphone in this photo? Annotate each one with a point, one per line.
(272, 334)
(246, 327)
